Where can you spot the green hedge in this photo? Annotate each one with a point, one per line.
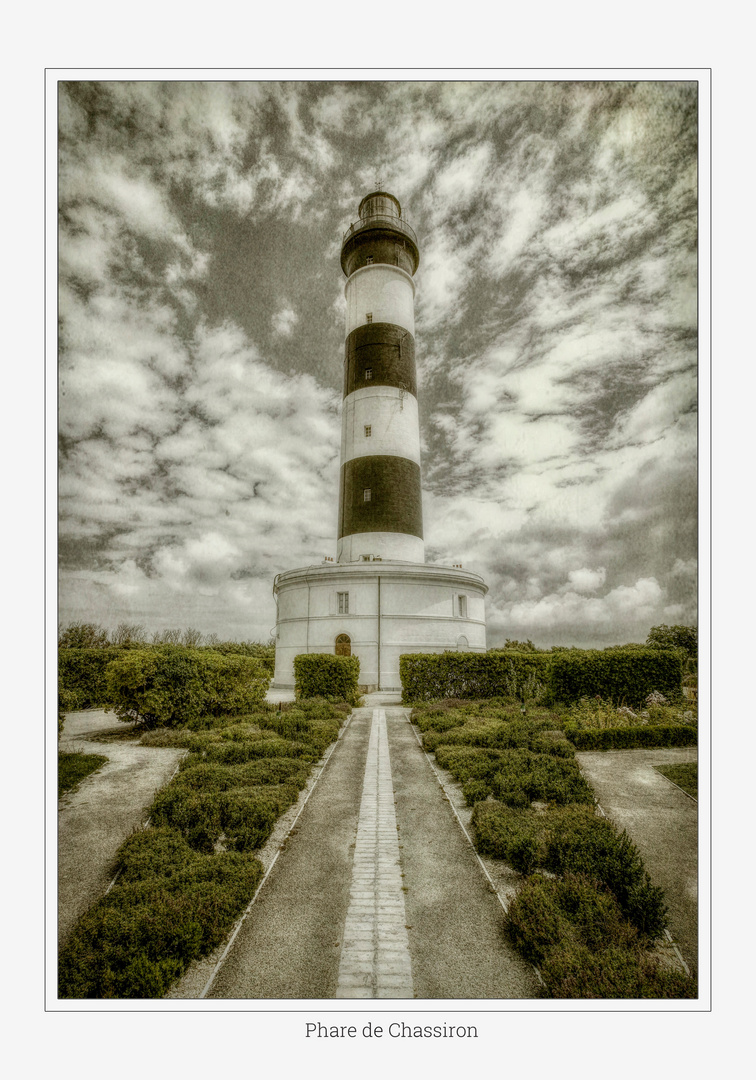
(575, 932)
(432, 676)
(573, 839)
(178, 891)
(624, 676)
(174, 686)
(82, 683)
(328, 676)
(631, 737)
(170, 906)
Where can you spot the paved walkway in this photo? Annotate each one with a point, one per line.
(662, 821)
(375, 958)
(378, 894)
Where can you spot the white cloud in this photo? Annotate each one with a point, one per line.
(284, 321)
(585, 580)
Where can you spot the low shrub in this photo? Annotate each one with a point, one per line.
(525, 776)
(469, 762)
(173, 686)
(515, 777)
(171, 907)
(179, 887)
(575, 932)
(573, 839)
(328, 676)
(502, 734)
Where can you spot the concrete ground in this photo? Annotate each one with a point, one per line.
(95, 819)
(662, 821)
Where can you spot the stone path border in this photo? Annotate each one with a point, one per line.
(375, 958)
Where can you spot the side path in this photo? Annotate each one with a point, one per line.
(661, 820)
(292, 943)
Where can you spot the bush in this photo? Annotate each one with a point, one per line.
(575, 932)
(627, 738)
(328, 676)
(170, 907)
(82, 681)
(266, 654)
(507, 674)
(623, 676)
(573, 839)
(172, 686)
(502, 734)
(525, 776)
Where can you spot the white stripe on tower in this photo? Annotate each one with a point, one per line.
(380, 508)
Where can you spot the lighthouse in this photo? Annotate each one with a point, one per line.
(379, 598)
(380, 499)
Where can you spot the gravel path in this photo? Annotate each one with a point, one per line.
(663, 823)
(108, 805)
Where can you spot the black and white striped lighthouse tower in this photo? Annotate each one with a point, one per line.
(380, 599)
(380, 505)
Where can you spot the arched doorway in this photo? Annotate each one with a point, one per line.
(463, 644)
(343, 645)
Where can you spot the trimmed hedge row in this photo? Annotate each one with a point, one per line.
(328, 676)
(432, 676)
(622, 675)
(625, 738)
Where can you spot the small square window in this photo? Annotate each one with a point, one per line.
(369, 316)
(368, 373)
(367, 495)
(368, 430)
(343, 598)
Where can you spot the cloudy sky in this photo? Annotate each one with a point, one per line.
(201, 343)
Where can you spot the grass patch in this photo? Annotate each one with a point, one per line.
(685, 775)
(75, 767)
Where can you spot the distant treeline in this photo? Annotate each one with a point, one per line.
(659, 637)
(84, 635)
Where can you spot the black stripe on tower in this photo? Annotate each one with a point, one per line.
(386, 351)
(380, 494)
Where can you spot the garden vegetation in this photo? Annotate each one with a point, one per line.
(587, 914)
(182, 882)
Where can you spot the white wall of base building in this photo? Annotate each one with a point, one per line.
(364, 547)
(420, 611)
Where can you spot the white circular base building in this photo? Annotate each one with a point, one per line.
(376, 610)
